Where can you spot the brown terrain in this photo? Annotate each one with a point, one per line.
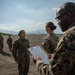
(7, 63)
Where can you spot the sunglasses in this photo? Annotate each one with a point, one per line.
(59, 16)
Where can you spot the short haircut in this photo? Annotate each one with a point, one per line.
(69, 6)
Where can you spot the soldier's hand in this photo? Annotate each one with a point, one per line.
(38, 58)
(49, 56)
(35, 59)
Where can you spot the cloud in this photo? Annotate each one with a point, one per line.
(41, 23)
(11, 27)
(54, 9)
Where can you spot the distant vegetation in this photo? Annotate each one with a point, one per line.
(5, 34)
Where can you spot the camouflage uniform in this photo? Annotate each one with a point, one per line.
(50, 42)
(63, 62)
(9, 42)
(1, 43)
(22, 55)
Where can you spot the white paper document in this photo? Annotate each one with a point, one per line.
(37, 51)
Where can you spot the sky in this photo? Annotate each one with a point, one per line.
(29, 15)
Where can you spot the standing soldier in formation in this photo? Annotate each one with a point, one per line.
(21, 54)
(50, 41)
(9, 42)
(1, 43)
(63, 61)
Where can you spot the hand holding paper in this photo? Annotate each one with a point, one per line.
(37, 51)
(35, 59)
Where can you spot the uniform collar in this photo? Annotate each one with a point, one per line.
(73, 24)
(51, 33)
(22, 39)
(70, 27)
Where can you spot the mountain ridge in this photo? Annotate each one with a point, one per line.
(30, 32)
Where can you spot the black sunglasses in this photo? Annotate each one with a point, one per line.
(58, 17)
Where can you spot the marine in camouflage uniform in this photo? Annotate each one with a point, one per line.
(50, 41)
(1, 43)
(63, 61)
(9, 42)
(21, 55)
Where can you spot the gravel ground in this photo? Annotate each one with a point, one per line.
(9, 67)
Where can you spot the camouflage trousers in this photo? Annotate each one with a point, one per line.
(23, 66)
(10, 46)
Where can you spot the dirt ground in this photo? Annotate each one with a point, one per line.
(7, 63)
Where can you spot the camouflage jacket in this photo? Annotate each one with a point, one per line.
(20, 49)
(9, 41)
(50, 42)
(63, 61)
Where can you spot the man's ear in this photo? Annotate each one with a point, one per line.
(68, 15)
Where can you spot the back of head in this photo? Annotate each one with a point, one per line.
(51, 25)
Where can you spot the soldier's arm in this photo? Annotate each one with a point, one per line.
(28, 44)
(65, 61)
(64, 65)
(15, 48)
